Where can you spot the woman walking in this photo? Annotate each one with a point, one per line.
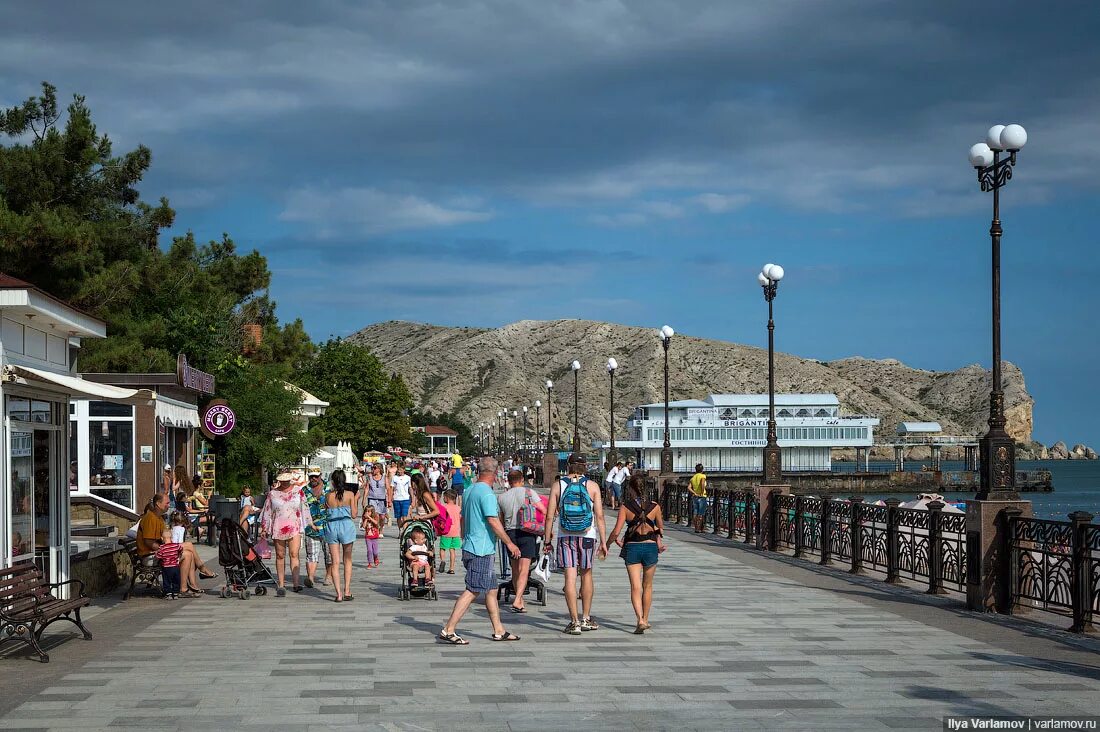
(423, 500)
(641, 544)
(340, 512)
(283, 519)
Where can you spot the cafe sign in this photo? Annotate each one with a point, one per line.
(191, 378)
(218, 420)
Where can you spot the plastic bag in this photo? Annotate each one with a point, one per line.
(263, 549)
(541, 570)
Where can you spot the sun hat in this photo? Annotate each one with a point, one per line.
(285, 477)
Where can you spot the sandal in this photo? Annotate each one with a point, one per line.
(296, 588)
(519, 610)
(453, 638)
(348, 598)
(505, 636)
(450, 571)
(205, 573)
(338, 599)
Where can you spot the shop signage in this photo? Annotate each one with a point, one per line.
(702, 412)
(190, 378)
(218, 419)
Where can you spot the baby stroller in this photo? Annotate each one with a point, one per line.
(408, 590)
(241, 562)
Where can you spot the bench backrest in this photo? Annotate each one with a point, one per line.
(19, 585)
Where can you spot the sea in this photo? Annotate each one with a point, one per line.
(1076, 487)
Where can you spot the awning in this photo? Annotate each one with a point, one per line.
(74, 385)
(176, 414)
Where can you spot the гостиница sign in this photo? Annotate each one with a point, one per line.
(191, 378)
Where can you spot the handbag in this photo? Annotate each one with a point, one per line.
(541, 570)
(263, 549)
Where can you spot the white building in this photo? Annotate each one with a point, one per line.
(728, 432)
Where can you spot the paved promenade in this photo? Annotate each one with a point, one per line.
(739, 641)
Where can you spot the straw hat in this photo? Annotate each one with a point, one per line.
(285, 477)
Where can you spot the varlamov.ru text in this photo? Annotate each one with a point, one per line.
(1023, 723)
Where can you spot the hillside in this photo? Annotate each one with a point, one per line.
(476, 372)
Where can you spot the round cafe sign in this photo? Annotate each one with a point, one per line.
(219, 420)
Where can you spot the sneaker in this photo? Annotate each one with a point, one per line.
(280, 592)
(587, 624)
(572, 629)
(309, 583)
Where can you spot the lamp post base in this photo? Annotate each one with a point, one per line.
(773, 465)
(666, 461)
(998, 467)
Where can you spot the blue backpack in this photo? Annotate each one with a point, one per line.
(576, 506)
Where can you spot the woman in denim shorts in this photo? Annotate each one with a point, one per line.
(641, 544)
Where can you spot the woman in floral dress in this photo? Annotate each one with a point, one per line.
(283, 519)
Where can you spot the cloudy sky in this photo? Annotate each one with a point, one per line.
(475, 163)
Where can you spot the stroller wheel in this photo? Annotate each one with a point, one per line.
(224, 592)
(261, 590)
(243, 594)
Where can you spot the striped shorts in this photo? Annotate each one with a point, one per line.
(481, 573)
(575, 551)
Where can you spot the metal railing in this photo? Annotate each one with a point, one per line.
(1055, 566)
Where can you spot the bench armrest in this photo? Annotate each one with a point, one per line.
(80, 584)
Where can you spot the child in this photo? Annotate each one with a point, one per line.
(453, 540)
(169, 555)
(180, 522)
(419, 563)
(372, 525)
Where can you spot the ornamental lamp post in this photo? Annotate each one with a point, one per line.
(612, 365)
(997, 449)
(549, 415)
(576, 414)
(538, 424)
(523, 449)
(502, 421)
(769, 278)
(665, 333)
(515, 440)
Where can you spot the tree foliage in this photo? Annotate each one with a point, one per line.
(366, 407)
(72, 223)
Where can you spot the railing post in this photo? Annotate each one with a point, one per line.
(892, 570)
(935, 550)
(857, 535)
(826, 545)
(1081, 580)
(750, 525)
(798, 526)
(714, 511)
(731, 508)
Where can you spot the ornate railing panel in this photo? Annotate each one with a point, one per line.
(811, 524)
(872, 523)
(1092, 546)
(839, 528)
(913, 547)
(784, 520)
(952, 548)
(1042, 562)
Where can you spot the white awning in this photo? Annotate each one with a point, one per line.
(74, 385)
(176, 414)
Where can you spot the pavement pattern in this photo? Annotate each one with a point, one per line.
(738, 643)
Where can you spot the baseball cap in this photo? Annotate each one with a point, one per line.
(167, 466)
(313, 470)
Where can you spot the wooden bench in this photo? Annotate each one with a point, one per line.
(28, 605)
(146, 570)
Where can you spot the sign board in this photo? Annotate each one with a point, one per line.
(146, 453)
(218, 419)
(193, 379)
(702, 412)
(112, 462)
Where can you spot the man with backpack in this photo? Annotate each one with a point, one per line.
(524, 519)
(576, 511)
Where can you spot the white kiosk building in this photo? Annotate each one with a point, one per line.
(727, 432)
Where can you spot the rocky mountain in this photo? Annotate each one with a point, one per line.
(476, 372)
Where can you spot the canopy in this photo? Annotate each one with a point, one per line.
(74, 385)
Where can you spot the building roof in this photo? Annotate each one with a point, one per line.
(922, 428)
(754, 400)
(19, 296)
(436, 429)
(307, 399)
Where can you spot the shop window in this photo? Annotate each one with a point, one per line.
(109, 409)
(111, 460)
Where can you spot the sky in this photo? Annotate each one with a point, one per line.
(477, 163)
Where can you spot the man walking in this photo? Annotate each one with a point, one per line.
(512, 503)
(615, 479)
(576, 511)
(480, 522)
(315, 543)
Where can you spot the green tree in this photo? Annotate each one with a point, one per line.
(366, 407)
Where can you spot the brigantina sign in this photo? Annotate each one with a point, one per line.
(191, 378)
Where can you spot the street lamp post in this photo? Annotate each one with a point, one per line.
(538, 425)
(576, 414)
(612, 365)
(502, 445)
(515, 440)
(523, 449)
(769, 278)
(997, 449)
(666, 334)
(549, 415)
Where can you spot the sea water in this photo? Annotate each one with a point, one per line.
(1076, 488)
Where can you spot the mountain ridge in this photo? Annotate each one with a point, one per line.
(476, 372)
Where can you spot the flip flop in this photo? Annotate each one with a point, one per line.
(518, 610)
(506, 636)
(207, 574)
(453, 638)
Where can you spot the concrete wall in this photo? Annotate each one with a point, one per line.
(103, 573)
